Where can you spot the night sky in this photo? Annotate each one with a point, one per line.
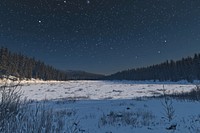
(101, 36)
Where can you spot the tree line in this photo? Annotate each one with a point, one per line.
(21, 66)
(185, 69)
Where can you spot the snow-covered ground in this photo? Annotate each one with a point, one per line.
(111, 107)
(100, 90)
(133, 116)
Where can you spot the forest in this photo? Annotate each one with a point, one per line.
(184, 69)
(21, 66)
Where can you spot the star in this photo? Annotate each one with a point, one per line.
(88, 2)
(125, 31)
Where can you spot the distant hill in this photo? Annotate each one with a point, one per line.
(74, 75)
(184, 69)
(21, 66)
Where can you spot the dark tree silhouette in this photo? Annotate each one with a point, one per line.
(185, 69)
(24, 67)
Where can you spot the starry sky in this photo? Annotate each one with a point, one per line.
(101, 36)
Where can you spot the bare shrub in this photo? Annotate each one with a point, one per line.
(21, 116)
(138, 118)
(37, 118)
(10, 102)
(193, 95)
(169, 111)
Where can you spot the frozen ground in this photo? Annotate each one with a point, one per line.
(111, 107)
(133, 116)
(99, 90)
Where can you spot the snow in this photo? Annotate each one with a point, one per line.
(94, 101)
(90, 112)
(95, 90)
(14, 80)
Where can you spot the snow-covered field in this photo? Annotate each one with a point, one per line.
(111, 107)
(100, 90)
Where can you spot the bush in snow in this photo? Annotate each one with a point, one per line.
(10, 103)
(193, 95)
(169, 111)
(138, 118)
(21, 116)
(37, 118)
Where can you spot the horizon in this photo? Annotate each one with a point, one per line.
(102, 37)
(76, 70)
